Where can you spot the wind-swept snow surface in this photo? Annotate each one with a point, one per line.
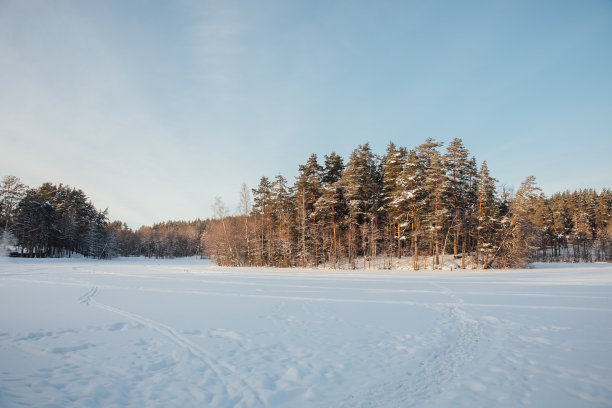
(135, 333)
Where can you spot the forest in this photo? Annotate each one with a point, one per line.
(422, 204)
(59, 221)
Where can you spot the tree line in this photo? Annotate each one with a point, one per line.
(170, 239)
(421, 204)
(59, 221)
(53, 221)
(417, 207)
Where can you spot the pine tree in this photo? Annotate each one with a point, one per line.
(362, 181)
(410, 199)
(262, 207)
(471, 211)
(391, 165)
(281, 216)
(435, 185)
(544, 221)
(332, 170)
(488, 222)
(458, 169)
(307, 190)
(562, 222)
(35, 224)
(330, 207)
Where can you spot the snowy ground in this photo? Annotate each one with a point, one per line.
(135, 333)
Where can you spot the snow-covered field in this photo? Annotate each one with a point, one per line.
(182, 333)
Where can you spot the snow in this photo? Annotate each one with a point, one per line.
(185, 333)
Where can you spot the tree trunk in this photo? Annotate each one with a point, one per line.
(463, 253)
(399, 243)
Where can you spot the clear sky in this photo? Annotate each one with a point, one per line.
(153, 108)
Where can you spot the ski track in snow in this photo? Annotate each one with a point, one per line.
(232, 384)
(142, 333)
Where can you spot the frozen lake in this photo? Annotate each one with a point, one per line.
(184, 333)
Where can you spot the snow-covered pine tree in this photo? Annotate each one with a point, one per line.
(392, 164)
(425, 152)
(262, 207)
(469, 241)
(460, 171)
(281, 216)
(435, 184)
(330, 208)
(487, 220)
(361, 180)
(307, 190)
(410, 199)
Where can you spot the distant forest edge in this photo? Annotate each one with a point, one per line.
(419, 205)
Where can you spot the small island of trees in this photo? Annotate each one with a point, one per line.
(373, 211)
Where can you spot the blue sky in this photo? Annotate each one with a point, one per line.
(154, 108)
